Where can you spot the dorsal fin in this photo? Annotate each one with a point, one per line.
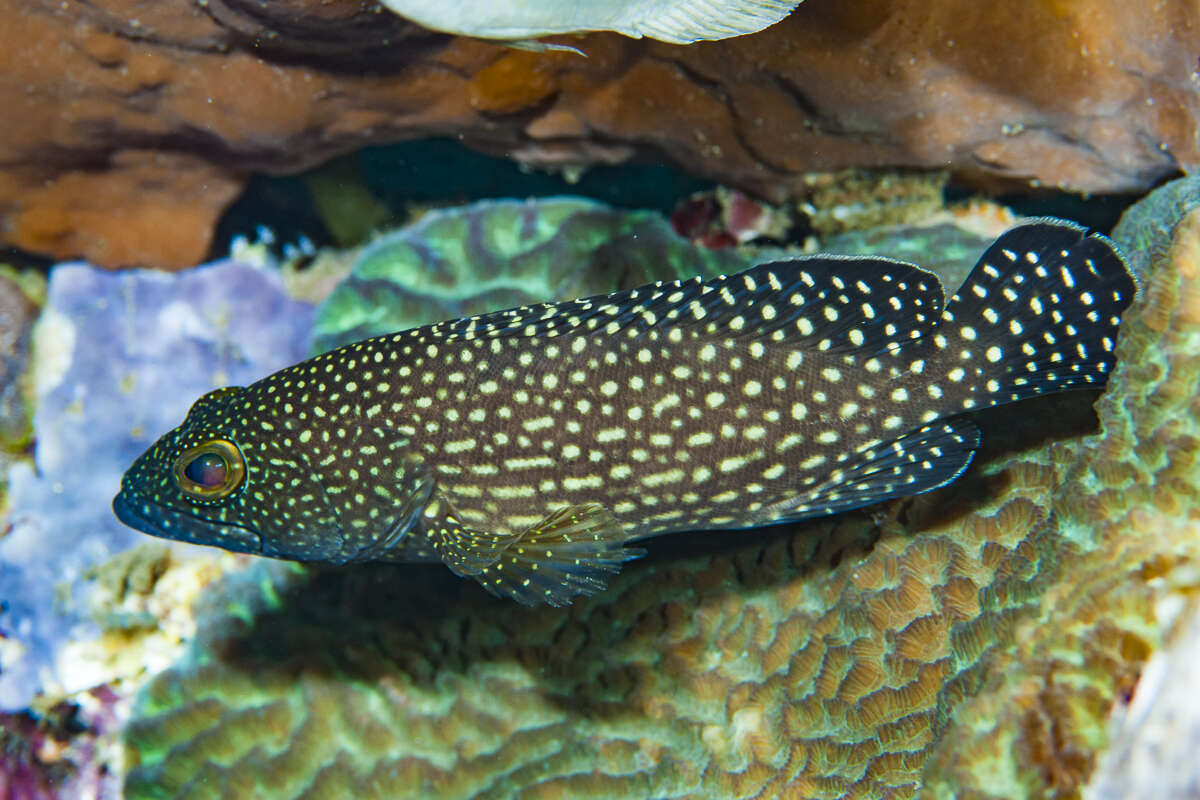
(830, 303)
(834, 303)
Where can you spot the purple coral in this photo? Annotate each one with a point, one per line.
(24, 773)
(58, 754)
(119, 357)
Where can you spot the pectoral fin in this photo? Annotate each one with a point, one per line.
(467, 552)
(570, 552)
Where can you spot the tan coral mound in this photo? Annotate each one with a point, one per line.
(969, 641)
(1127, 534)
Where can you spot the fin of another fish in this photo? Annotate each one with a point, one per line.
(687, 21)
(536, 46)
(676, 21)
(920, 461)
(570, 552)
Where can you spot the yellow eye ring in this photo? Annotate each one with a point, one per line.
(210, 471)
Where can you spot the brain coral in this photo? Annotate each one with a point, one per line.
(968, 642)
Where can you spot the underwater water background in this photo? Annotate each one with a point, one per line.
(989, 639)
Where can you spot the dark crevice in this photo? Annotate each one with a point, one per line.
(718, 91)
(822, 123)
(372, 41)
(699, 79)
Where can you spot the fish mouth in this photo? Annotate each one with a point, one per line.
(166, 523)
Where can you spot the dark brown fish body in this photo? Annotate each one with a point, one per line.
(526, 447)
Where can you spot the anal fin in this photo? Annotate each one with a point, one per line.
(571, 552)
(920, 461)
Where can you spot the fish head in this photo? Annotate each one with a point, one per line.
(214, 480)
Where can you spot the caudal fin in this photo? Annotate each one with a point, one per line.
(1038, 314)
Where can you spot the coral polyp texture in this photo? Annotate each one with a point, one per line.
(968, 642)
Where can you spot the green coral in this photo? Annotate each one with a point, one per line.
(948, 249)
(502, 253)
(1146, 232)
(967, 642)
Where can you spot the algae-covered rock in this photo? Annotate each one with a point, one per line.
(968, 642)
(866, 199)
(118, 358)
(501, 253)
(21, 295)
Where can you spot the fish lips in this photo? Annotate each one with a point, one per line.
(167, 523)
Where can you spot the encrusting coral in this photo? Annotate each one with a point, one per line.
(968, 642)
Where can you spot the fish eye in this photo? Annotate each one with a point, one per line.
(210, 471)
(207, 470)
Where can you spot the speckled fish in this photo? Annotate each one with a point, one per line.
(525, 448)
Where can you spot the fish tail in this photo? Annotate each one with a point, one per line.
(1038, 314)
